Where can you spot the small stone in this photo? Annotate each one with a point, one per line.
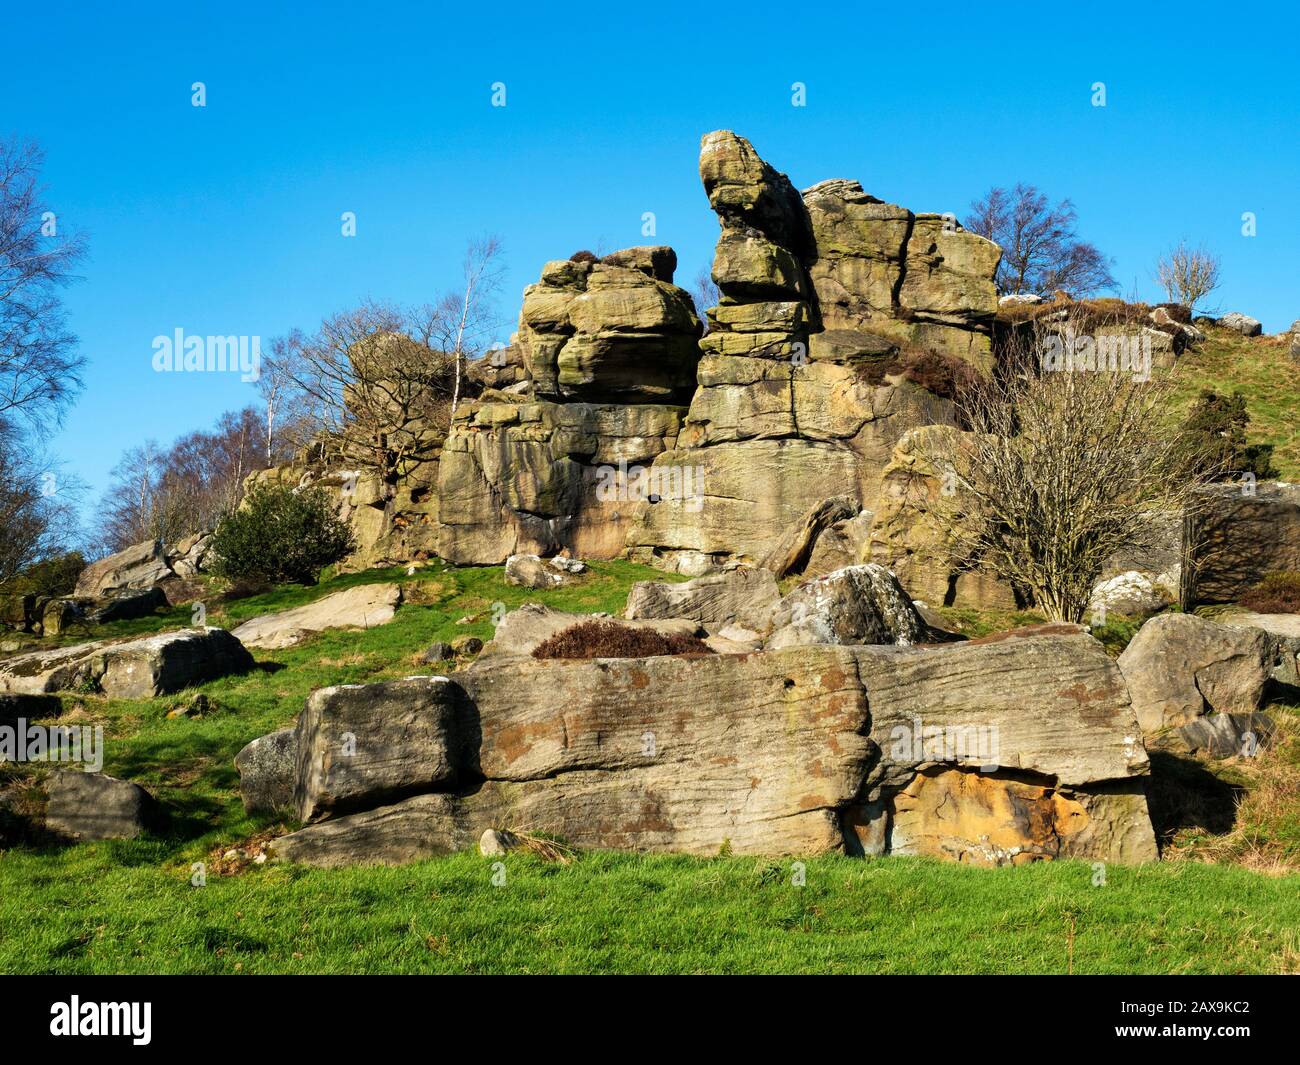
(494, 844)
(439, 651)
(466, 645)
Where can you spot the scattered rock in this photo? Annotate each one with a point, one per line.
(1179, 667)
(466, 645)
(495, 844)
(1241, 323)
(365, 606)
(568, 565)
(856, 605)
(529, 571)
(268, 772)
(92, 806)
(1226, 735)
(199, 706)
(129, 669)
(438, 651)
(1132, 593)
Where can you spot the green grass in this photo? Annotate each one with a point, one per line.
(129, 906)
(108, 908)
(1262, 369)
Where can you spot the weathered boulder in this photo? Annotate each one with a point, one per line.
(1131, 593)
(138, 668)
(745, 594)
(268, 772)
(438, 651)
(1179, 667)
(1241, 323)
(188, 557)
(364, 606)
(124, 606)
(1284, 631)
(363, 745)
(855, 605)
(1239, 535)
(1225, 735)
(92, 806)
(425, 826)
(604, 330)
(787, 752)
(141, 565)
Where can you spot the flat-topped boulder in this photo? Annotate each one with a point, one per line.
(139, 668)
(362, 607)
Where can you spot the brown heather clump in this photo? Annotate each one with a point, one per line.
(608, 639)
(583, 257)
(1276, 593)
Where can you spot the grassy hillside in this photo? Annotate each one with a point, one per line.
(1262, 369)
(129, 905)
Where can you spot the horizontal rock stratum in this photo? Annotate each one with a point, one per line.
(995, 752)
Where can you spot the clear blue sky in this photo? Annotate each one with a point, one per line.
(226, 219)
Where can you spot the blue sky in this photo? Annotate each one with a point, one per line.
(226, 219)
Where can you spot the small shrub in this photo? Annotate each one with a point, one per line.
(583, 257)
(1216, 424)
(608, 639)
(56, 575)
(280, 535)
(1276, 593)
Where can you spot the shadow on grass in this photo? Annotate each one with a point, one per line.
(1183, 794)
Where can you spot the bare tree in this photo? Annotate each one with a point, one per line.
(1060, 469)
(37, 507)
(167, 493)
(1041, 251)
(40, 372)
(372, 389)
(286, 416)
(462, 323)
(1187, 274)
(704, 290)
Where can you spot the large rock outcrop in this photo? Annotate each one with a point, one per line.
(830, 303)
(140, 566)
(559, 460)
(996, 751)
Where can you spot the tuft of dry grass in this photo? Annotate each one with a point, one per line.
(1265, 833)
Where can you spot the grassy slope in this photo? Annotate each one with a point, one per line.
(129, 905)
(1262, 369)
